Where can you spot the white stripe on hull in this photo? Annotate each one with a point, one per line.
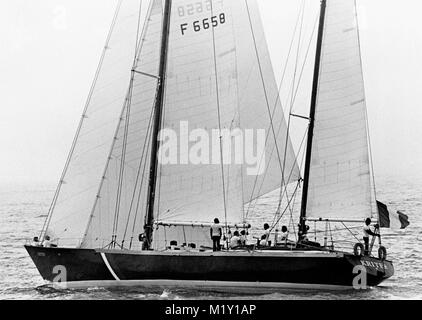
(109, 267)
(226, 286)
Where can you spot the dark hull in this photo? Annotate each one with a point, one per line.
(307, 269)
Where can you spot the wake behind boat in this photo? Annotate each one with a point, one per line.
(200, 80)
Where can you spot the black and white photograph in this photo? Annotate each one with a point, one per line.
(210, 150)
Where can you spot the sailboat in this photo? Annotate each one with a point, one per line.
(131, 208)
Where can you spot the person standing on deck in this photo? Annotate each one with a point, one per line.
(216, 233)
(366, 233)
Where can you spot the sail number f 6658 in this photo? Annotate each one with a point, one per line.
(204, 24)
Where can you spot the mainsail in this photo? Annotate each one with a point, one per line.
(340, 185)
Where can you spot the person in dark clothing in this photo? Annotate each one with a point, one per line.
(216, 233)
(367, 232)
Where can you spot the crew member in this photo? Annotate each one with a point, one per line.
(36, 242)
(284, 236)
(47, 242)
(263, 241)
(266, 234)
(235, 241)
(243, 238)
(216, 233)
(366, 233)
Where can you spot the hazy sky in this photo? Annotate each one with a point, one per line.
(49, 50)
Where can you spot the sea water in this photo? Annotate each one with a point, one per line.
(22, 214)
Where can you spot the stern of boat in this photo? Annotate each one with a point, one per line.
(376, 270)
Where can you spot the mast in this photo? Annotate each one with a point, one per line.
(302, 223)
(159, 106)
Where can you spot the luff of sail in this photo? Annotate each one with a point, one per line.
(78, 189)
(340, 186)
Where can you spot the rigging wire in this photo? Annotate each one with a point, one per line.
(279, 90)
(301, 166)
(275, 105)
(349, 229)
(371, 158)
(295, 96)
(140, 192)
(294, 193)
(122, 162)
(138, 31)
(293, 201)
(160, 170)
(287, 207)
(239, 118)
(139, 179)
(138, 47)
(78, 131)
(283, 182)
(148, 138)
(263, 84)
(219, 120)
(306, 56)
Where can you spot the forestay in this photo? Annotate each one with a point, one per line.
(89, 156)
(340, 177)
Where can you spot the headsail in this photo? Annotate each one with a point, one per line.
(119, 210)
(261, 105)
(220, 76)
(340, 185)
(73, 204)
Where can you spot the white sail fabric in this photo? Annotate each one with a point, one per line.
(121, 205)
(89, 157)
(219, 76)
(340, 178)
(260, 104)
